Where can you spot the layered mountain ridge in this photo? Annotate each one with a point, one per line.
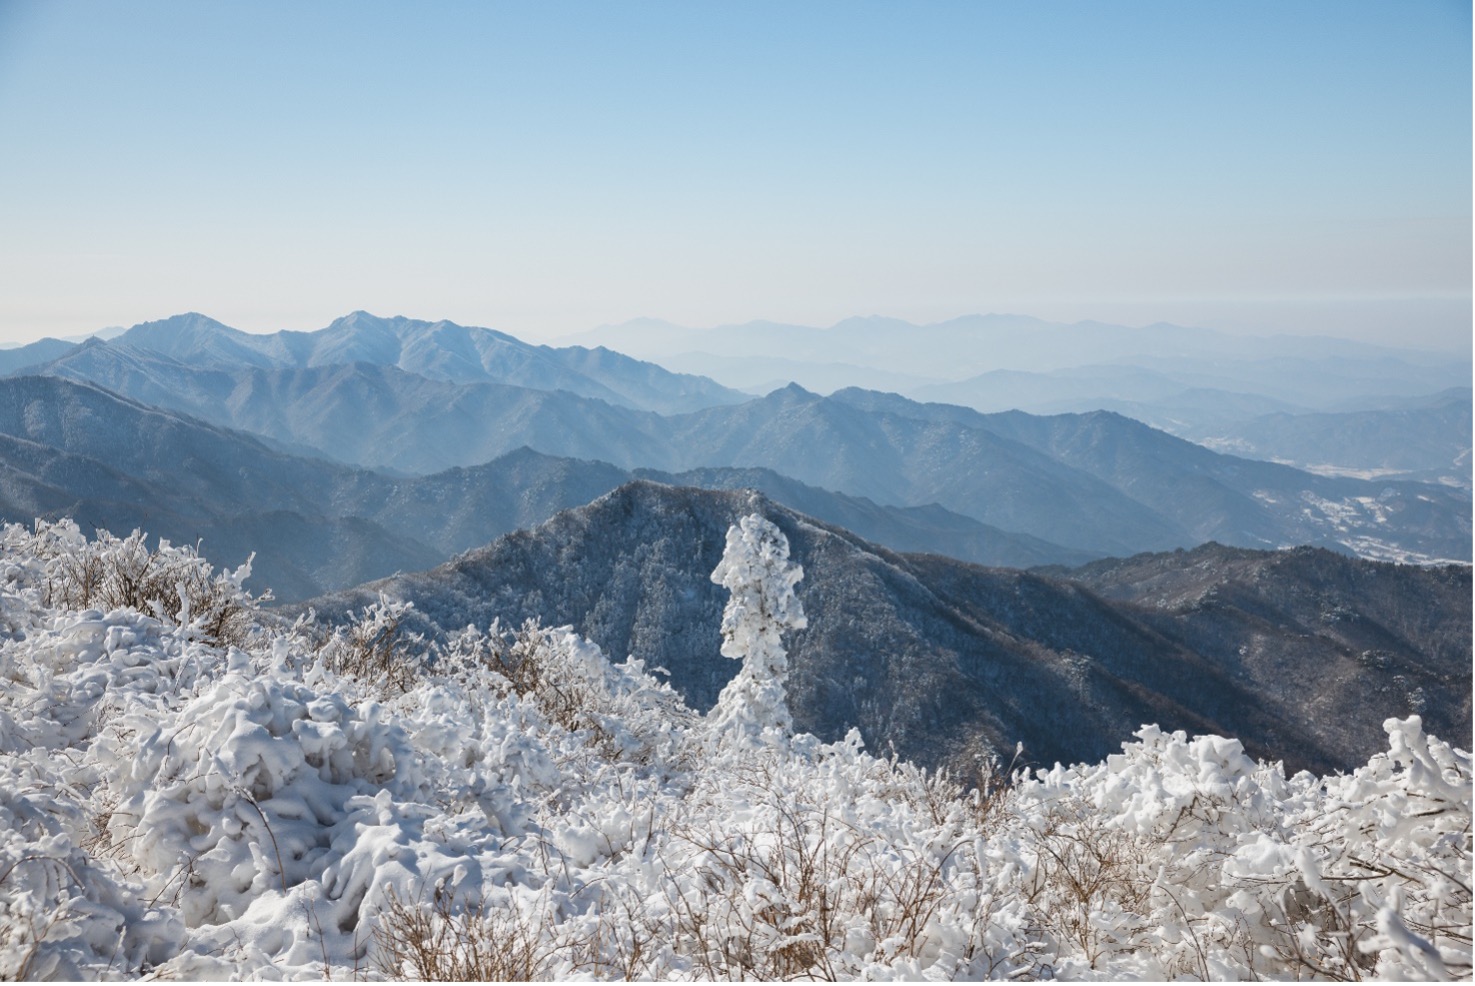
(72, 449)
(1227, 391)
(440, 351)
(1099, 483)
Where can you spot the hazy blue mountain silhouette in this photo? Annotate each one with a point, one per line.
(440, 350)
(76, 450)
(32, 354)
(1096, 483)
(1194, 383)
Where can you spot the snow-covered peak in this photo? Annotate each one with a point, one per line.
(437, 350)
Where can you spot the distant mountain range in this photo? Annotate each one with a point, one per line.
(1194, 383)
(368, 414)
(1427, 438)
(77, 451)
(437, 351)
(70, 449)
(1237, 501)
(967, 347)
(1302, 655)
(1094, 484)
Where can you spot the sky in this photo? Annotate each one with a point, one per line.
(543, 168)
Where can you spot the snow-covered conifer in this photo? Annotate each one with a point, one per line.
(756, 569)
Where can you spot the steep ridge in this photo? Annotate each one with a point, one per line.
(935, 656)
(440, 350)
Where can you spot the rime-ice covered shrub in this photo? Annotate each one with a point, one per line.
(63, 913)
(1184, 857)
(242, 793)
(1381, 870)
(820, 861)
(621, 708)
(519, 806)
(375, 650)
(173, 582)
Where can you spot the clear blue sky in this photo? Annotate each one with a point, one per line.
(546, 167)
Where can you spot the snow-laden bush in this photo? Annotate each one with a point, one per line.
(173, 582)
(822, 862)
(514, 805)
(374, 649)
(1183, 857)
(622, 709)
(246, 791)
(442, 940)
(65, 914)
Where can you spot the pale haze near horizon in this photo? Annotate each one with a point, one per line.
(543, 169)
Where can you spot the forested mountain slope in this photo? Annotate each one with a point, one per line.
(940, 657)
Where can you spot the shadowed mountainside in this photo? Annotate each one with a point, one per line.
(939, 657)
(75, 450)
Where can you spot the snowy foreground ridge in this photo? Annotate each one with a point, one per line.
(190, 788)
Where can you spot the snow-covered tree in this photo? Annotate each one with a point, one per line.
(757, 572)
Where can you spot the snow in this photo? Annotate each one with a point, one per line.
(757, 572)
(179, 807)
